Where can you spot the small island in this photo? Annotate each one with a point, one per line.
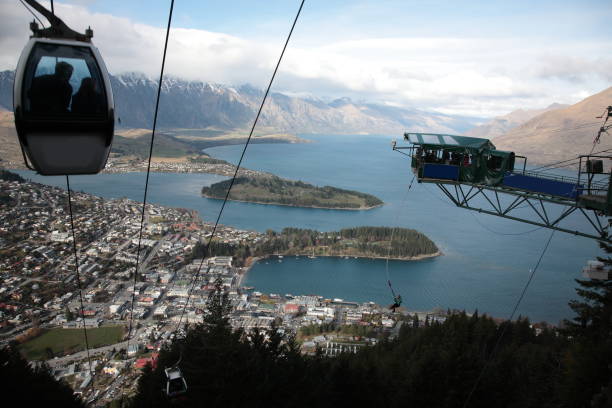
(362, 242)
(270, 189)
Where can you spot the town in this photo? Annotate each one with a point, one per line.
(203, 164)
(40, 294)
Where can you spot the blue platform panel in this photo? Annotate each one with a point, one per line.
(441, 171)
(542, 185)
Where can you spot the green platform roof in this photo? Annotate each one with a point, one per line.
(437, 139)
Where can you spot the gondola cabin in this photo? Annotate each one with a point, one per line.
(175, 382)
(64, 108)
(458, 158)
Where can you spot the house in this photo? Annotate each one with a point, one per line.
(116, 308)
(161, 311)
(142, 362)
(133, 349)
(291, 308)
(111, 371)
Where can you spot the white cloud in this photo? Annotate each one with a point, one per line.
(472, 76)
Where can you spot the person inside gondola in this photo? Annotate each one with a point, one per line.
(51, 94)
(87, 100)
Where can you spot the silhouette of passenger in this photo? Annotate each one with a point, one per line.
(87, 99)
(51, 93)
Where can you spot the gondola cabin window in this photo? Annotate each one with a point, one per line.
(63, 81)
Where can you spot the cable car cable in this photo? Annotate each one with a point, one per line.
(144, 204)
(577, 127)
(246, 145)
(31, 12)
(577, 158)
(509, 320)
(503, 233)
(603, 128)
(78, 277)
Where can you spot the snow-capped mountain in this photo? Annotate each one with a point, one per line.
(196, 104)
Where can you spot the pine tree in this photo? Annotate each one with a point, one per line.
(32, 386)
(589, 360)
(594, 312)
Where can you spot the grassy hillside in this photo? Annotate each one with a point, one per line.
(275, 190)
(165, 146)
(131, 144)
(560, 134)
(10, 152)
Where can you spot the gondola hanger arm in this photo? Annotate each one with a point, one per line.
(58, 28)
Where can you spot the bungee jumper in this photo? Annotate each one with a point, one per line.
(397, 299)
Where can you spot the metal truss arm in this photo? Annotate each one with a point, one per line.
(491, 204)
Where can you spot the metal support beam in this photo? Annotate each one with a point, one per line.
(541, 217)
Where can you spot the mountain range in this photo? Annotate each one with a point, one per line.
(190, 111)
(200, 105)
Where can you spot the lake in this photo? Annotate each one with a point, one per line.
(486, 261)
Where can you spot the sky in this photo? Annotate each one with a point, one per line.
(472, 58)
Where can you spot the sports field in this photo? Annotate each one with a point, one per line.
(57, 342)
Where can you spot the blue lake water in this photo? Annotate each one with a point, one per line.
(486, 261)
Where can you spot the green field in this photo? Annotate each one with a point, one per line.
(67, 341)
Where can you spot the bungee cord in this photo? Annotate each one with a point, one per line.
(396, 299)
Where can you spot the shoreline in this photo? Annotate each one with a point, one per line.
(407, 259)
(256, 259)
(297, 206)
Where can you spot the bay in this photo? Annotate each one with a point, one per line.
(486, 262)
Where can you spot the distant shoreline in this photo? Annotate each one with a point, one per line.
(256, 259)
(298, 206)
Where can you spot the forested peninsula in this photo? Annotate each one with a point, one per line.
(363, 242)
(368, 242)
(269, 189)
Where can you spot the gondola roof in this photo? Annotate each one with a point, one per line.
(442, 140)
